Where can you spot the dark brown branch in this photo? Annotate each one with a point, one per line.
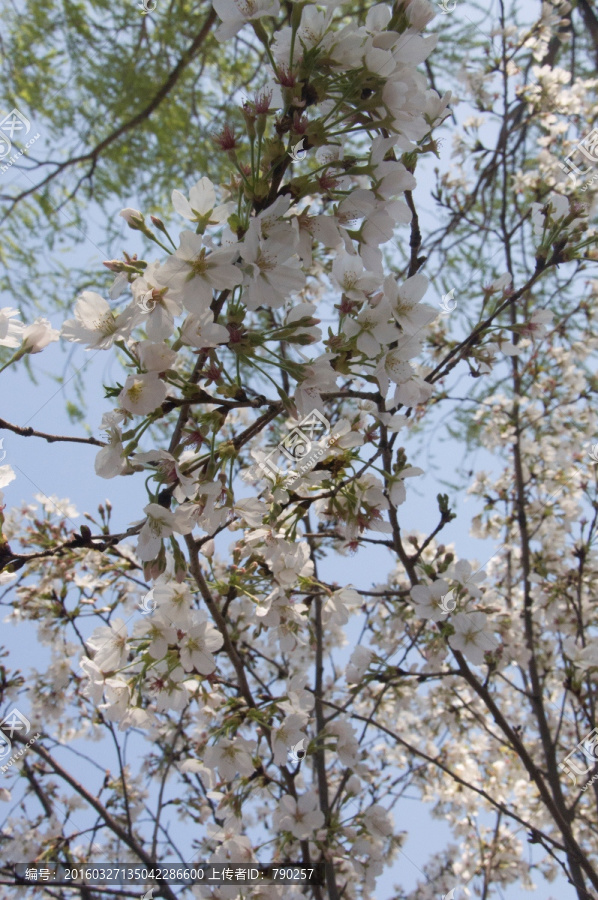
(18, 560)
(50, 438)
(591, 23)
(415, 241)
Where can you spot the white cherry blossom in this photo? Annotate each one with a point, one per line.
(174, 602)
(109, 461)
(6, 475)
(110, 646)
(192, 274)
(196, 647)
(95, 324)
(156, 307)
(286, 736)
(358, 664)
(373, 328)
(11, 329)
(160, 632)
(142, 394)
(464, 574)
(236, 13)
(37, 336)
(167, 687)
(156, 357)
(301, 817)
(201, 331)
(426, 598)
(398, 492)
(272, 270)
(158, 525)
(348, 271)
(394, 365)
(231, 758)
(404, 300)
(201, 206)
(378, 820)
(470, 636)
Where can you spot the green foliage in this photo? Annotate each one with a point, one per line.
(115, 96)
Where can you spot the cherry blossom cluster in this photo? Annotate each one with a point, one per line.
(207, 330)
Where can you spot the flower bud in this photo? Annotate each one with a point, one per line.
(115, 265)
(133, 218)
(249, 116)
(159, 224)
(208, 549)
(419, 13)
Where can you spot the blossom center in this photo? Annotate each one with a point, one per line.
(155, 526)
(199, 265)
(246, 7)
(106, 324)
(135, 391)
(264, 263)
